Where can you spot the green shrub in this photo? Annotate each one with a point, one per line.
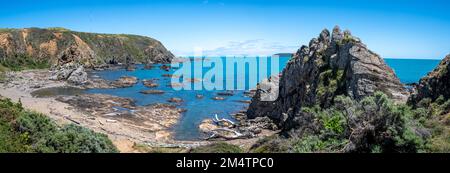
(76, 139)
(23, 62)
(220, 147)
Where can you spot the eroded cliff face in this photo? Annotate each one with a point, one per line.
(333, 64)
(434, 85)
(58, 46)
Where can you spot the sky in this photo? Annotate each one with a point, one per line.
(391, 28)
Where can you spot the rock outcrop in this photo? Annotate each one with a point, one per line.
(434, 85)
(89, 49)
(71, 72)
(333, 64)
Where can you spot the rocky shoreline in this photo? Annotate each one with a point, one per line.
(126, 124)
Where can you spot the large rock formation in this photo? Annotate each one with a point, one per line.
(59, 46)
(434, 85)
(333, 64)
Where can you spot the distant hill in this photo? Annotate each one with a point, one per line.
(92, 49)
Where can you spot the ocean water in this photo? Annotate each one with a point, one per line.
(411, 70)
(408, 70)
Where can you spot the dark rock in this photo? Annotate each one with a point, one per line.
(131, 68)
(150, 83)
(71, 72)
(175, 100)
(337, 64)
(78, 76)
(152, 92)
(125, 82)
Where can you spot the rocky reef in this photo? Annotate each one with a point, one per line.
(333, 64)
(434, 85)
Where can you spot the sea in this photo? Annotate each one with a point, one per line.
(198, 109)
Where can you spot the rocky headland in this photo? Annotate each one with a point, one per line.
(333, 64)
(335, 95)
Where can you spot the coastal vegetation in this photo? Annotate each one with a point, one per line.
(219, 147)
(24, 131)
(23, 62)
(46, 46)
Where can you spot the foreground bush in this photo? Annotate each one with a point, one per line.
(25, 131)
(374, 124)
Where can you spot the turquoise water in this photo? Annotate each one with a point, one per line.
(197, 109)
(409, 71)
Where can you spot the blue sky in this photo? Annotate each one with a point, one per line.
(393, 29)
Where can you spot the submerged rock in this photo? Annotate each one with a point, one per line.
(332, 65)
(218, 98)
(89, 49)
(175, 100)
(152, 92)
(72, 72)
(125, 82)
(193, 80)
(207, 126)
(227, 93)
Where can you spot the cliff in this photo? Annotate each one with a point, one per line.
(57, 46)
(434, 85)
(332, 65)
